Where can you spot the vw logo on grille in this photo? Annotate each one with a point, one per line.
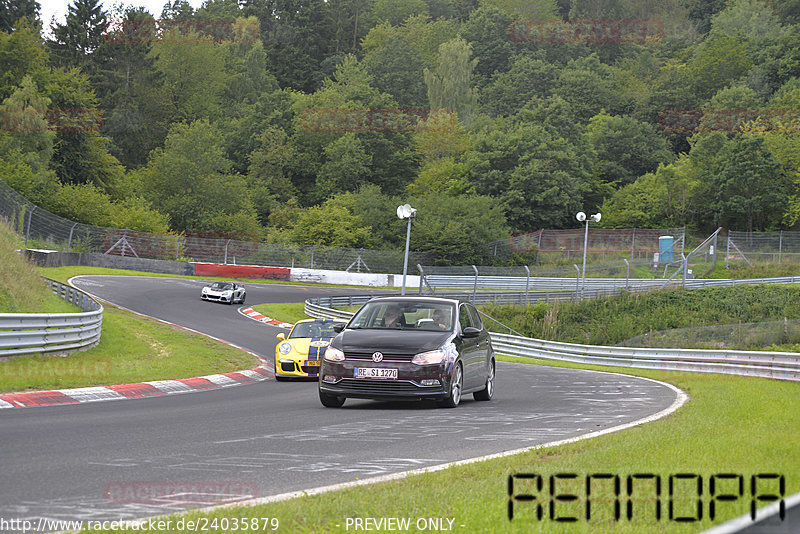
(377, 356)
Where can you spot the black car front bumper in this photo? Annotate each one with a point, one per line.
(408, 386)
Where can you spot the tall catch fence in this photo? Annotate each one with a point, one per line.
(43, 229)
(741, 336)
(762, 247)
(554, 246)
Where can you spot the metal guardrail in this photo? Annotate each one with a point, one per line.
(778, 365)
(37, 333)
(523, 290)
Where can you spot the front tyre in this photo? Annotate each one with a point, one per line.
(456, 384)
(331, 401)
(486, 393)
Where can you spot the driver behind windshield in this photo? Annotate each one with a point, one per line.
(393, 317)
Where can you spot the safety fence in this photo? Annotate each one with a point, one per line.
(777, 365)
(762, 247)
(43, 229)
(53, 333)
(546, 246)
(727, 336)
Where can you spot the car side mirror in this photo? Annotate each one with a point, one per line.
(281, 336)
(338, 327)
(470, 331)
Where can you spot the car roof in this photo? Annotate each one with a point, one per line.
(321, 321)
(401, 298)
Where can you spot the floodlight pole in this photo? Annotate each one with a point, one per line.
(406, 212)
(585, 243)
(405, 260)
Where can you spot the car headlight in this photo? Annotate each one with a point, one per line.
(205, 290)
(429, 358)
(285, 348)
(446, 353)
(227, 293)
(334, 355)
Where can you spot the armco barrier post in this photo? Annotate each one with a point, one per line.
(527, 284)
(577, 280)
(475, 288)
(627, 272)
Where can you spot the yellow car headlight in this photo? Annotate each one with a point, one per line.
(285, 348)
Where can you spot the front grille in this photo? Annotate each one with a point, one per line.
(310, 369)
(287, 367)
(400, 386)
(387, 357)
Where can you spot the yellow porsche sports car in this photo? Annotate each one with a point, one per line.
(300, 353)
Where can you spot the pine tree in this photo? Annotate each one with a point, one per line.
(75, 41)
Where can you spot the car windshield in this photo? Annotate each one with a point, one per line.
(221, 286)
(315, 329)
(405, 315)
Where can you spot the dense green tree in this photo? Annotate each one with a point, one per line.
(25, 131)
(455, 232)
(21, 54)
(509, 91)
(349, 94)
(625, 147)
(701, 12)
(486, 31)
(525, 9)
(749, 20)
(347, 165)
(748, 193)
(190, 181)
(439, 177)
(396, 11)
(76, 40)
(193, 77)
(719, 61)
(541, 179)
(396, 65)
(450, 84)
(665, 198)
(13, 10)
(590, 87)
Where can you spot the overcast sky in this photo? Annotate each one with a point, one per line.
(58, 8)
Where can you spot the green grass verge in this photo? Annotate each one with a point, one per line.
(731, 425)
(131, 349)
(290, 312)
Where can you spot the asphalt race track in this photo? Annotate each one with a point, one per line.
(82, 461)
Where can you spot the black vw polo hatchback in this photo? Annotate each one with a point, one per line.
(409, 348)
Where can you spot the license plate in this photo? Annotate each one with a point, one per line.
(375, 372)
(313, 363)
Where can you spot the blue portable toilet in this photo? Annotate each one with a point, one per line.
(665, 248)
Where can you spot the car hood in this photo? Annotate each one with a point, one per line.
(390, 341)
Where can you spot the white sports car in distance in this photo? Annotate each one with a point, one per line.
(224, 292)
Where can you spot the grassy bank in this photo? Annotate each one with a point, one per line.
(131, 349)
(21, 289)
(755, 434)
(611, 320)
